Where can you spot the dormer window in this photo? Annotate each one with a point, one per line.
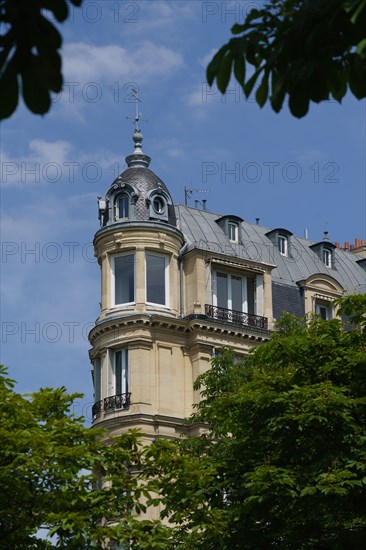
(283, 245)
(230, 226)
(325, 252)
(158, 202)
(233, 232)
(122, 206)
(281, 239)
(327, 257)
(119, 204)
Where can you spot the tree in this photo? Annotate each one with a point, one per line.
(51, 469)
(306, 50)
(283, 462)
(30, 63)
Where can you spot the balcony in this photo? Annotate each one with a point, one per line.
(110, 404)
(224, 315)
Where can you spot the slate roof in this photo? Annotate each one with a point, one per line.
(145, 180)
(202, 232)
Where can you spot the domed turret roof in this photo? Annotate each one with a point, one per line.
(148, 197)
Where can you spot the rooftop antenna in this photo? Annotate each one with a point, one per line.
(138, 115)
(188, 192)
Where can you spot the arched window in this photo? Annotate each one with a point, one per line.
(122, 206)
(159, 204)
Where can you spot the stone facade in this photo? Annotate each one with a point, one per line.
(178, 283)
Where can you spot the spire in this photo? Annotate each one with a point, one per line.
(137, 159)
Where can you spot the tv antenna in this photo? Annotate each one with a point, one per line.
(188, 192)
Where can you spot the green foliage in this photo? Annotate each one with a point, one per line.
(283, 463)
(29, 53)
(280, 460)
(51, 467)
(306, 50)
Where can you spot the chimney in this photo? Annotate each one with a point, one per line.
(204, 204)
(257, 221)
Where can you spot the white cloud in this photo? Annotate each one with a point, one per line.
(309, 155)
(158, 15)
(52, 162)
(86, 63)
(45, 151)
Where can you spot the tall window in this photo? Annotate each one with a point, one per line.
(283, 245)
(97, 379)
(124, 279)
(118, 372)
(156, 278)
(122, 206)
(327, 257)
(234, 292)
(233, 231)
(121, 371)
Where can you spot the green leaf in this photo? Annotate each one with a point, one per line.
(262, 91)
(59, 8)
(9, 90)
(224, 72)
(248, 87)
(237, 28)
(361, 47)
(278, 92)
(239, 69)
(35, 93)
(214, 65)
(299, 103)
(357, 76)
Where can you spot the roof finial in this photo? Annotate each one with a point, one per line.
(138, 115)
(137, 159)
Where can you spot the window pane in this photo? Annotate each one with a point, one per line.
(233, 232)
(222, 290)
(282, 245)
(124, 278)
(155, 279)
(324, 311)
(251, 295)
(123, 205)
(121, 372)
(236, 293)
(97, 380)
(327, 257)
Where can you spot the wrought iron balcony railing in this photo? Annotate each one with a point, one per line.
(111, 403)
(237, 317)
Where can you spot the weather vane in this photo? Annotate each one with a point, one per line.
(138, 115)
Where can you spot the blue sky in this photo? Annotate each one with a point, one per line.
(297, 174)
